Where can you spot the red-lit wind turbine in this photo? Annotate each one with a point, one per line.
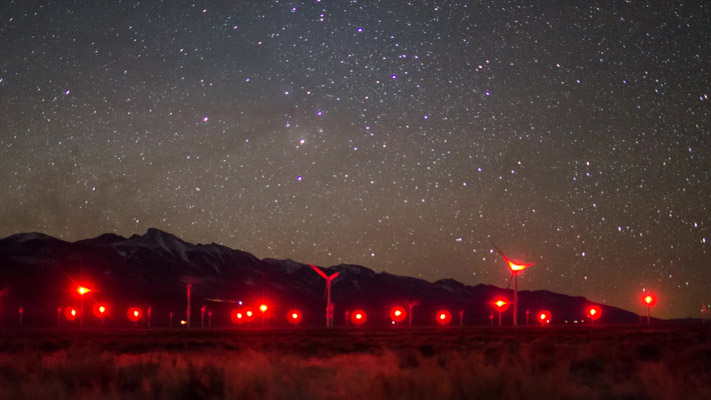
(329, 305)
(516, 268)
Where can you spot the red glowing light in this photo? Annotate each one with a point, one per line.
(71, 313)
(249, 315)
(99, 310)
(358, 317)
(133, 314)
(544, 317)
(237, 317)
(444, 317)
(594, 312)
(501, 305)
(263, 308)
(83, 290)
(293, 317)
(398, 314)
(650, 299)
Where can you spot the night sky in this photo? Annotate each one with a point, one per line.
(402, 136)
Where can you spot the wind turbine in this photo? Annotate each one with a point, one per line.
(515, 267)
(329, 305)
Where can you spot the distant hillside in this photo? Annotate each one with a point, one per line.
(40, 273)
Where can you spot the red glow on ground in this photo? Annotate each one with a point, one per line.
(501, 305)
(650, 299)
(594, 312)
(133, 314)
(398, 314)
(358, 317)
(71, 313)
(444, 317)
(544, 317)
(293, 317)
(100, 310)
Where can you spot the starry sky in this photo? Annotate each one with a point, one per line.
(405, 136)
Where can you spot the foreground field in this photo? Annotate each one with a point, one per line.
(662, 362)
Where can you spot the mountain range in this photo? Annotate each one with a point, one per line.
(40, 273)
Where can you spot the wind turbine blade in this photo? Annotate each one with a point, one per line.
(510, 277)
(332, 277)
(502, 253)
(323, 275)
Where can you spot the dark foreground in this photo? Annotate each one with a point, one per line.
(617, 362)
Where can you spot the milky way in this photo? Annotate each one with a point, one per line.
(403, 136)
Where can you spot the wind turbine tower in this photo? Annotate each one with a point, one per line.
(329, 305)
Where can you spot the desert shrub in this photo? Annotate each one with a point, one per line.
(615, 363)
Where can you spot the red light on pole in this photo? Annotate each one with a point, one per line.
(133, 314)
(82, 290)
(444, 317)
(501, 305)
(20, 310)
(237, 317)
(263, 309)
(249, 315)
(491, 319)
(293, 317)
(544, 317)
(398, 314)
(202, 317)
(70, 313)
(99, 310)
(358, 317)
(650, 299)
(594, 313)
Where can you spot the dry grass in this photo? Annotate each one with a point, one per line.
(671, 362)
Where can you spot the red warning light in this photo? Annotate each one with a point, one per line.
(237, 316)
(100, 310)
(544, 317)
(71, 313)
(82, 290)
(501, 305)
(263, 308)
(358, 317)
(444, 317)
(293, 316)
(594, 312)
(133, 314)
(249, 315)
(398, 314)
(650, 299)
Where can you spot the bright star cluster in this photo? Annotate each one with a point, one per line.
(406, 136)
